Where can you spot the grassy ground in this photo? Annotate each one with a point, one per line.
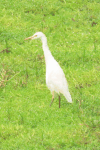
(73, 32)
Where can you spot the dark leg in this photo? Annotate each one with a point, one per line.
(52, 98)
(59, 101)
(51, 101)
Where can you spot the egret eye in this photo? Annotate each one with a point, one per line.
(35, 35)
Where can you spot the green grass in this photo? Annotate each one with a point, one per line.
(73, 32)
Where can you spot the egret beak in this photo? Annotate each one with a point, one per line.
(31, 37)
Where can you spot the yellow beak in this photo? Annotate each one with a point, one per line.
(29, 38)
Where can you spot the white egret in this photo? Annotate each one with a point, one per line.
(55, 78)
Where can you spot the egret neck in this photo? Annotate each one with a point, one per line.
(46, 50)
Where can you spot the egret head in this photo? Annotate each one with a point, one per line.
(36, 36)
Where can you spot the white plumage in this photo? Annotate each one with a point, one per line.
(55, 78)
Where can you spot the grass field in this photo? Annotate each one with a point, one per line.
(73, 32)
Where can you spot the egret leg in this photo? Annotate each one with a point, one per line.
(52, 98)
(59, 101)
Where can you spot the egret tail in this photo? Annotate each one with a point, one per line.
(68, 97)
